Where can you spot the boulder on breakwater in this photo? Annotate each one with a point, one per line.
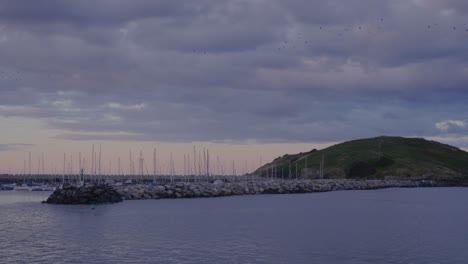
(94, 194)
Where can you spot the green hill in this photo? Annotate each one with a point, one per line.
(375, 158)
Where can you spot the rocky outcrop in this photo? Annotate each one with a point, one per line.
(96, 194)
(220, 188)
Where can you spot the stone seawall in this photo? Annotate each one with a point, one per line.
(95, 194)
(219, 188)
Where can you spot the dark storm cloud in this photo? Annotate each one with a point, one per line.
(91, 13)
(267, 71)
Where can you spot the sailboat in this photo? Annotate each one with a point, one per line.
(22, 187)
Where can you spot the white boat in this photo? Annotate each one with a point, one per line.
(128, 182)
(22, 187)
(44, 187)
(48, 188)
(8, 187)
(37, 188)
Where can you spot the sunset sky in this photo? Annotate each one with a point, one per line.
(248, 79)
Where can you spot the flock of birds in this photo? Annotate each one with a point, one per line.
(285, 44)
(338, 32)
(16, 75)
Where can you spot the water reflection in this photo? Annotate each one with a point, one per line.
(384, 226)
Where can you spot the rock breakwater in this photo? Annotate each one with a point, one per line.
(98, 194)
(220, 188)
(95, 194)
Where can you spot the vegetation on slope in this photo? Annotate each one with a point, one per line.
(375, 158)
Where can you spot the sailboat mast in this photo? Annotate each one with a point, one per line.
(100, 160)
(194, 161)
(43, 163)
(29, 163)
(154, 165)
(92, 163)
(63, 164)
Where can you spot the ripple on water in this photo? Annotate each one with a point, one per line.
(383, 226)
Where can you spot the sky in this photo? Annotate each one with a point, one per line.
(250, 80)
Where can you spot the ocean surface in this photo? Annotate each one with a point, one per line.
(383, 226)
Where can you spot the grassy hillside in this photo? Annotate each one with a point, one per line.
(375, 158)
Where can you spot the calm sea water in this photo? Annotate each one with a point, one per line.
(382, 226)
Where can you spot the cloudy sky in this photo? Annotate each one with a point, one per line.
(245, 78)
